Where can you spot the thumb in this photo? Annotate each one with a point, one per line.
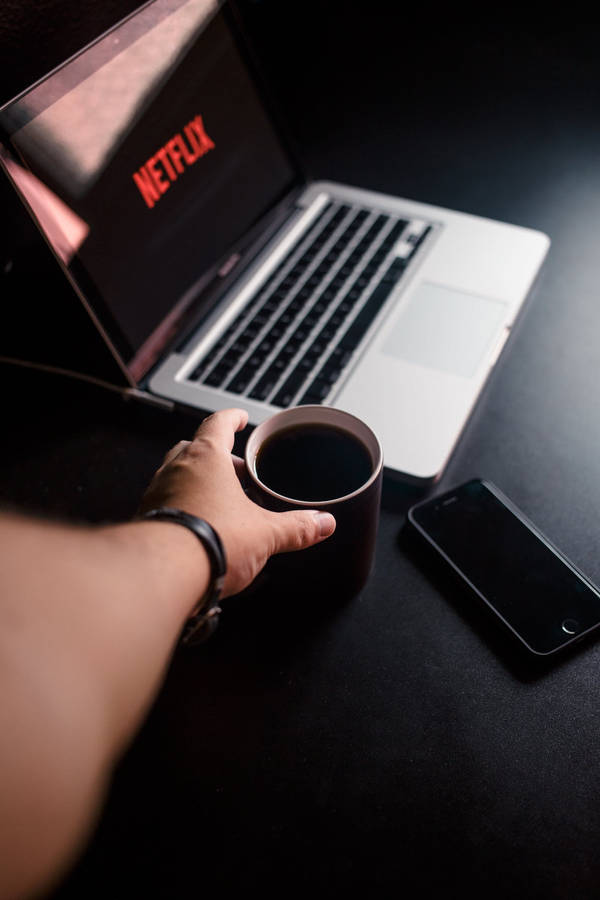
(300, 529)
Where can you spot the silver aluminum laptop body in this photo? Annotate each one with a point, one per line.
(438, 291)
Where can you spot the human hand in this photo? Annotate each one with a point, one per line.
(202, 477)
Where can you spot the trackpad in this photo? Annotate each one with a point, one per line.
(445, 329)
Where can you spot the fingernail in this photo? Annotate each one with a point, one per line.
(326, 523)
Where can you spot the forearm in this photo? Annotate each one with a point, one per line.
(88, 620)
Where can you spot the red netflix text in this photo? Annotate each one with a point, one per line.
(182, 150)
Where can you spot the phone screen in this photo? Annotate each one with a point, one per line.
(526, 581)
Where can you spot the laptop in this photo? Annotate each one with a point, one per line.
(157, 170)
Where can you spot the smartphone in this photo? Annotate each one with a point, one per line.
(529, 585)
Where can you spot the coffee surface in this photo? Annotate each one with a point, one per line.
(313, 462)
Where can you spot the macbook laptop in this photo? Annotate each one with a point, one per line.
(156, 169)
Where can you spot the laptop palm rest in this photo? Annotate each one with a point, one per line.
(445, 329)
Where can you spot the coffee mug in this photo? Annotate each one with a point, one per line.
(318, 457)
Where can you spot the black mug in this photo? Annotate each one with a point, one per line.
(309, 450)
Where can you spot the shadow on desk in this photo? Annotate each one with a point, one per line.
(398, 495)
(277, 621)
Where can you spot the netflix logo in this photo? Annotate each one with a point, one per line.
(181, 151)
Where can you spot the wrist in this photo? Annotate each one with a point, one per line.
(174, 569)
(204, 618)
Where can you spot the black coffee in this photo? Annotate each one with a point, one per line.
(313, 462)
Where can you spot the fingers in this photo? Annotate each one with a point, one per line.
(300, 529)
(174, 452)
(222, 426)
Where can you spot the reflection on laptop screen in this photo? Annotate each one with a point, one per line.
(154, 154)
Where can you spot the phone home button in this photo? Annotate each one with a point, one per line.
(570, 626)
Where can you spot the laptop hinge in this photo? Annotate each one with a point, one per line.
(150, 399)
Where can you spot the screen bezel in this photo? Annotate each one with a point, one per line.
(209, 286)
(420, 518)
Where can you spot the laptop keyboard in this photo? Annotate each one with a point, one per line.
(297, 334)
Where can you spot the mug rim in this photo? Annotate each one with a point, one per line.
(293, 412)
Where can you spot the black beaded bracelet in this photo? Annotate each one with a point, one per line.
(205, 616)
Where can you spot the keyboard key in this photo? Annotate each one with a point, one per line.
(336, 320)
(288, 350)
(379, 256)
(301, 333)
(240, 382)
(238, 385)
(275, 332)
(206, 362)
(404, 250)
(327, 333)
(230, 360)
(416, 230)
(320, 307)
(339, 357)
(316, 392)
(197, 372)
(395, 233)
(329, 375)
(422, 237)
(309, 321)
(271, 305)
(354, 335)
(294, 343)
(394, 272)
(290, 388)
(217, 376)
(251, 331)
(315, 351)
(306, 365)
(264, 386)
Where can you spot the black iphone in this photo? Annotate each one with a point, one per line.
(528, 584)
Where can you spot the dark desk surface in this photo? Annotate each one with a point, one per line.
(395, 740)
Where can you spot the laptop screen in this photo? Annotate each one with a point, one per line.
(145, 159)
